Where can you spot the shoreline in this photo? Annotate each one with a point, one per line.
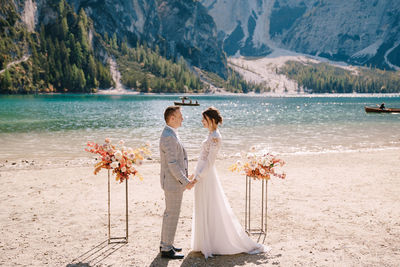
(226, 93)
(331, 210)
(37, 164)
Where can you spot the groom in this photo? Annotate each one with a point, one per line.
(174, 180)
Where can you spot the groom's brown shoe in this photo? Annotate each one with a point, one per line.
(171, 254)
(176, 249)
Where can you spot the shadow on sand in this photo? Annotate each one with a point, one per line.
(96, 254)
(197, 259)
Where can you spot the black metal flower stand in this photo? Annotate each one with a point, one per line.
(124, 239)
(261, 230)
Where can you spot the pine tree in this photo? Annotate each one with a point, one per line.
(81, 83)
(6, 81)
(114, 43)
(65, 28)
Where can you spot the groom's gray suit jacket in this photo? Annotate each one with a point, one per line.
(174, 162)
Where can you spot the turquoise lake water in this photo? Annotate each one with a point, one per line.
(58, 126)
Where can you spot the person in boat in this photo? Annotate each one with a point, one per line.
(382, 106)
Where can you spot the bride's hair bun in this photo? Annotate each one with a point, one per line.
(213, 114)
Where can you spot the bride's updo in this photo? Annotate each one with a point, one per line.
(213, 114)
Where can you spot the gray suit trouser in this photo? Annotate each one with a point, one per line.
(173, 202)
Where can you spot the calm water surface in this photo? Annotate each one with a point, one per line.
(58, 126)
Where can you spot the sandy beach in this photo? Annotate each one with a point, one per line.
(334, 209)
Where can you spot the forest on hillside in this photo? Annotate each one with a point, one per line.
(61, 58)
(145, 70)
(325, 78)
(67, 55)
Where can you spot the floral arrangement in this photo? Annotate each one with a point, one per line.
(259, 165)
(119, 158)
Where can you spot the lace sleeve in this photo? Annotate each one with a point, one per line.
(207, 157)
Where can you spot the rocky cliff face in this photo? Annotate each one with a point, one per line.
(356, 31)
(29, 15)
(189, 31)
(178, 27)
(135, 20)
(242, 25)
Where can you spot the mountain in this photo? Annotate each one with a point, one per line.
(242, 25)
(52, 46)
(49, 48)
(178, 28)
(83, 45)
(355, 31)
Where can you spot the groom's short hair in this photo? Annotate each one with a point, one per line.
(170, 111)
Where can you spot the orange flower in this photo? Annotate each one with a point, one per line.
(120, 164)
(259, 166)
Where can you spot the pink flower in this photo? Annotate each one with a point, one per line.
(118, 155)
(114, 165)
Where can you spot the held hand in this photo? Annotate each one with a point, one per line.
(191, 184)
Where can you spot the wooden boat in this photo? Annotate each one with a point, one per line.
(186, 101)
(379, 110)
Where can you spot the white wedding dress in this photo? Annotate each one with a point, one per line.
(215, 229)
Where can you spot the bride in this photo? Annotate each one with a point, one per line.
(215, 230)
